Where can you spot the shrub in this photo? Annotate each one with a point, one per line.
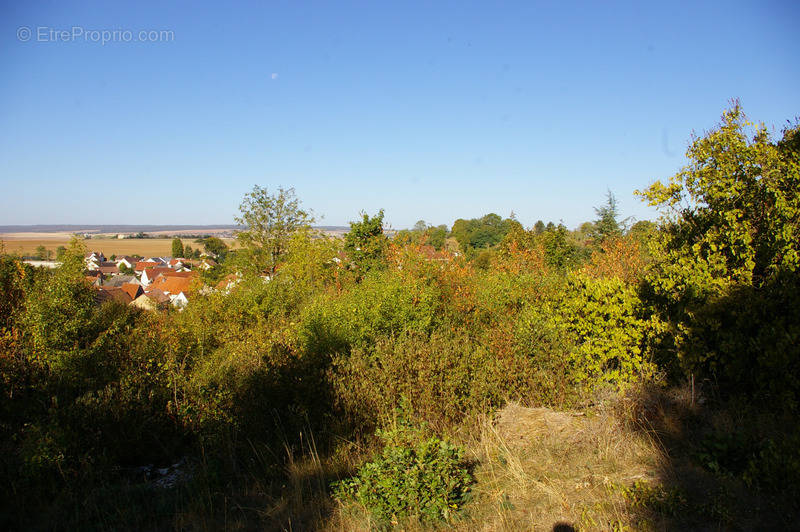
(598, 323)
(445, 376)
(384, 303)
(428, 480)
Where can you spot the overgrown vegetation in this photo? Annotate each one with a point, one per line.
(661, 358)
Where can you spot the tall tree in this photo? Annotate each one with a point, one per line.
(58, 312)
(482, 232)
(437, 235)
(269, 221)
(420, 226)
(727, 257)
(607, 224)
(177, 247)
(366, 243)
(215, 246)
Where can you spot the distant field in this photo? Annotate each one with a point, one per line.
(26, 244)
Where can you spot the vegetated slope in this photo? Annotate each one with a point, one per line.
(354, 382)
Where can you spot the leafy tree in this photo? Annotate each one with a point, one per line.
(607, 225)
(642, 232)
(482, 232)
(60, 251)
(642, 229)
(538, 227)
(15, 280)
(585, 231)
(58, 312)
(177, 247)
(437, 236)
(215, 246)
(41, 252)
(366, 243)
(461, 231)
(728, 253)
(559, 250)
(269, 221)
(420, 226)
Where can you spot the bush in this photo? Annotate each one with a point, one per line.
(428, 480)
(446, 377)
(597, 324)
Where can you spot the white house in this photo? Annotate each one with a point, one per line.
(149, 274)
(128, 262)
(178, 301)
(93, 259)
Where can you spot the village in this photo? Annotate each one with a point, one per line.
(149, 283)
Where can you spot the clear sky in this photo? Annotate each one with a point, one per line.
(430, 110)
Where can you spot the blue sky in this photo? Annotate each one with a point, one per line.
(433, 111)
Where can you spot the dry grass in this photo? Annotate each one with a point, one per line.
(109, 246)
(537, 468)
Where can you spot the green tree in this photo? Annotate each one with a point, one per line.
(607, 224)
(366, 243)
(215, 246)
(177, 247)
(727, 256)
(642, 231)
(538, 227)
(559, 250)
(437, 236)
(41, 252)
(269, 221)
(479, 233)
(60, 251)
(420, 226)
(58, 312)
(15, 280)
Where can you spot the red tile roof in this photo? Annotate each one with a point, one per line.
(108, 267)
(112, 293)
(158, 296)
(133, 290)
(143, 264)
(152, 273)
(228, 280)
(172, 273)
(174, 282)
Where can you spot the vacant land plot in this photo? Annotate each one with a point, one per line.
(26, 244)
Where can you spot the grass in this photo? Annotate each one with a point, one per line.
(538, 468)
(614, 466)
(627, 464)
